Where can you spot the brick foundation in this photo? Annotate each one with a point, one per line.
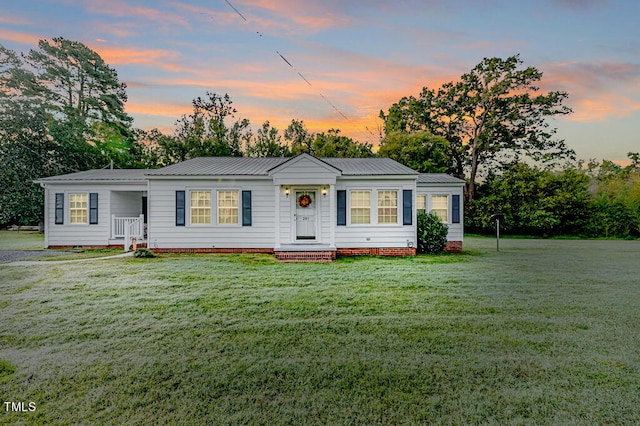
(453, 246)
(306, 256)
(377, 251)
(214, 250)
(284, 256)
(94, 247)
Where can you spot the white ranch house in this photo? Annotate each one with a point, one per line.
(299, 208)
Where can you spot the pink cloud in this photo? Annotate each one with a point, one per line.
(124, 9)
(271, 17)
(596, 90)
(13, 20)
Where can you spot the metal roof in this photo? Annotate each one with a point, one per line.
(220, 166)
(101, 175)
(246, 166)
(369, 166)
(438, 178)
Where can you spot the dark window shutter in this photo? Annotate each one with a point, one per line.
(179, 208)
(407, 207)
(246, 208)
(455, 209)
(93, 208)
(342, 208)
(59, 208)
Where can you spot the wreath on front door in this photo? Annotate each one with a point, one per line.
(304, 200)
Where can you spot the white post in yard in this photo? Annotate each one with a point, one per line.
(127, 237)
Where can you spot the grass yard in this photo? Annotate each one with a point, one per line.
(543, 332)
(21, 240)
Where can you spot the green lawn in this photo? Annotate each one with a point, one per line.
(544, 332)
(21, 240)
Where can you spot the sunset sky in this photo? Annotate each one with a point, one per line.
(337, 63)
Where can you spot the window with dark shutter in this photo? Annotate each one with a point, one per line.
(342, 207)
(180, 208)
(93, 208)
(407, 207)
(455, 209)
(59, 219)
(246, 208)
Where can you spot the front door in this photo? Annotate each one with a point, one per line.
(305, 215)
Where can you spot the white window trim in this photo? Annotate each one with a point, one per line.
(371, 192)
(425, 202)
(68, 205)
(200, 225)
(445, 194)
(239, 207)
(373, 207)
(398, 221)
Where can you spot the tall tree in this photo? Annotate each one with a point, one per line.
(299, 138)
(211, 129)
(494, 114)
(332, 144)
(78, 85)
(419, 150)
(268, 143)
(61, 110)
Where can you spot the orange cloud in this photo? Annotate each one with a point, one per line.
(20, 37)
(596, 90)
(171, 110)
(600, 107)
(161, 58)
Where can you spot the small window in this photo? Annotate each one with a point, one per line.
(439, 206)
(78, 208)
(200, 207)
(227, 207)
(421, 203)
(360, 207)
(387, 207)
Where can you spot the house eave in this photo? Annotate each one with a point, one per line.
(43, 183)
(208, 177)
(378, 177)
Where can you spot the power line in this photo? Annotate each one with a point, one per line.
(237, 11)
(291, 65)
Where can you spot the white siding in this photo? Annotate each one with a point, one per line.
(456, 230)
(163, 233)
(301, 171)
(374, 234)
(69, 234)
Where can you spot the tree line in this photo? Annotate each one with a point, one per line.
(62, 110)
(597, 199)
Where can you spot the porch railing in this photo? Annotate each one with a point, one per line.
(135, 227)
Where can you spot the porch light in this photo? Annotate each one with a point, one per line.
(286, 191)
(324, 191)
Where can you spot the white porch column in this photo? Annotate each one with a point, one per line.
(46, 215)
(276, 224)
(332, 215)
